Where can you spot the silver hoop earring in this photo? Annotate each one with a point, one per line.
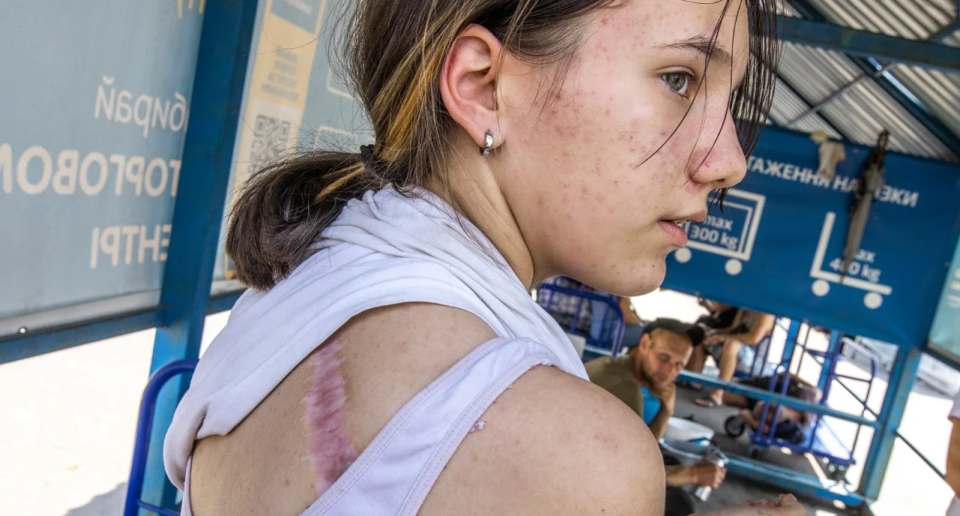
(487, 144)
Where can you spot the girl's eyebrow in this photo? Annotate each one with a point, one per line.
(702, 45)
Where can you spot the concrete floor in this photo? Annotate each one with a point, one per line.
(67, 421)
(735, 490)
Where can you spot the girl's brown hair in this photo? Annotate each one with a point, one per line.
(393, 54)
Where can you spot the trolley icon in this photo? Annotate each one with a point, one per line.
(730, 233)
(821, 287)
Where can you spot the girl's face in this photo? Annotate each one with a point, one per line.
(598, 175)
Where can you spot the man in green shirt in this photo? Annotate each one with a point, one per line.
(644, 380)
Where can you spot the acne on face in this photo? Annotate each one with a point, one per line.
(600, 155)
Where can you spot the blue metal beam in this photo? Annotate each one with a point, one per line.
(816, 108)
(223, 302)
(208, 152)
(770, 397)
(792, 481)
(902, 377)
(948, 30)
(891, 86)
(48, 340)
(854, 42)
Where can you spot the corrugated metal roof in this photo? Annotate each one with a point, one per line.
(863, 109)
(787, 106)
(866, 110)
(910, 19)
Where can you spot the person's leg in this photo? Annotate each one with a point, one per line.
(695, 365)
(727, 365)
(678, 502)
(734, 400)
(747, 416)
(697, 360)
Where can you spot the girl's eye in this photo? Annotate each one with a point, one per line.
(679, 82)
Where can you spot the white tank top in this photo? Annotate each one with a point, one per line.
(382, 250)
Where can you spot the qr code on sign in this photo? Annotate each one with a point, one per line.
(271, 138)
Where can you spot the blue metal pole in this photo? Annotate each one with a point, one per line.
(711, 382)
(790, 343)
(828, 363)
(902, 377)
(48, 340)
(208, 151)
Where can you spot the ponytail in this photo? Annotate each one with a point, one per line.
(281, 211)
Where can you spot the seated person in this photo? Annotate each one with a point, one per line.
(792, 423)
(720, 317)
(643, 379)
(733, 349)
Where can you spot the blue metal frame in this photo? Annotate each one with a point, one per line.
(779, 399)
(207, 158)
(891, 86)
(902, 378)
(828, 361)
(806, 102)
(223, 302)
(133, 503)
(910, 445)
(816, 108)
(861, 43)
(790, 342)
(885, 425)
(48, 340)
(950, 28)
(59, 338)
(616, 333)
(793, 481)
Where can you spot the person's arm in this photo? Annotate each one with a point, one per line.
(786, 505)
(733, 325)
(667, 398)
(762, 327)
(701, 474)
(619, 470)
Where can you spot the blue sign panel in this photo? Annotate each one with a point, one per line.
(95, 107)
(945, 333)
(778, 243)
